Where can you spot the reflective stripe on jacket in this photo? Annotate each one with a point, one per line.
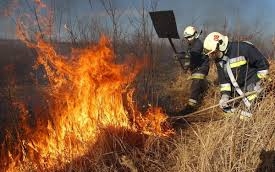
(247, 63)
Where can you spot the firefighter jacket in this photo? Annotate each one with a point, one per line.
(247, 65)
(199, 63)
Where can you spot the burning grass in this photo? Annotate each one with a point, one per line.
(90, 126)
(88, 95)
(91, 123)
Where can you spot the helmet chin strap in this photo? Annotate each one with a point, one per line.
(198, 34)
(221, 54)
(195, 36)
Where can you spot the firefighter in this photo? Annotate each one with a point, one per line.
(198, 64)
(241, 68)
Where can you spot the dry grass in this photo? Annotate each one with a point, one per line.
(211, 143)
(208, 143)
(229, 144)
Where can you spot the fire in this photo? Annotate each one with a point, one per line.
(87, 94)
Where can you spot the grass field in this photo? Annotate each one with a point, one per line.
(207, 142)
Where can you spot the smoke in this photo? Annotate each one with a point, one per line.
(241, 15)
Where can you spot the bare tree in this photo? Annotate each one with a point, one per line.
(34, 10)
(114, 14)
(144, 46)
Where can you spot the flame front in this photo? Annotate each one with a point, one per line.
(87, 93)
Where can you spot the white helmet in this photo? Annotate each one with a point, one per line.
(189, 33)
(215, 41)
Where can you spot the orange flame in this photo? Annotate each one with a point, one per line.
(86, 96)
(87, 93)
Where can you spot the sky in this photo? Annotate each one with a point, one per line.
(250, 15)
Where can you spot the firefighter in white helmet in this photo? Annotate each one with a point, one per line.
(198, 64)
(241, 68)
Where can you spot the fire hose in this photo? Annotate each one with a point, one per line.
(214, 106)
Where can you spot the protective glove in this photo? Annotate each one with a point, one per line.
(222, 103)
(245, 115)
(176, 57)
(181, 57)
(258, 86)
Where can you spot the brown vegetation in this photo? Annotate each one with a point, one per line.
(207, 142)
